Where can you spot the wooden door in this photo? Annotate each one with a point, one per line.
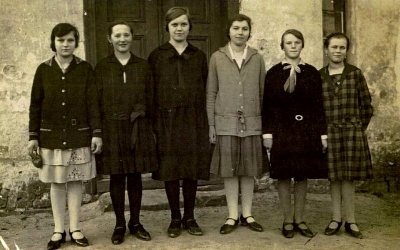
(209, 18)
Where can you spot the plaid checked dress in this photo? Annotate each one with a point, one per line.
(348, 110)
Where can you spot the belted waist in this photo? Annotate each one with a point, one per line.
(117, 116)
(345, 123)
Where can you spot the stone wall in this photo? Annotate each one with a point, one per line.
(25, 28)
(374, 30)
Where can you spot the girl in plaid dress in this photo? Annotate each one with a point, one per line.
(348, 111)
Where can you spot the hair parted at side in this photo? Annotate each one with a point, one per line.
(60, 30)
(294, 32)
(111, 26)
(176, 12)
(328, 38)
(239, 18)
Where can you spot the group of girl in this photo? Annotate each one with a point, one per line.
(162, 115)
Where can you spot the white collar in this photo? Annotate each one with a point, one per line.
(238, 59)
(301, 62)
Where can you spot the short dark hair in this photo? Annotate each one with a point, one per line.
(239, 18)
(111, 26)
(328, 38)
(294, 32)
(60, 30)
(176, 12)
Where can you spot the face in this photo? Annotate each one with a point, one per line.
(65, 45)
(121, 38)
(292, 46)
(337, 50)
(239, 32)
(178, 28)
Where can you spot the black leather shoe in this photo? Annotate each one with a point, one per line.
(356, 234)
(174, 229)
(139, 231)
(192, 227)
(305, 232)
(51, 245)
(288, 233)
(80, 242)
(252, 225)
(226, 228)
(118, 235)
(331, 231)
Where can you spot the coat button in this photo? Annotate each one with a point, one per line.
(63, 90)
(63, 103)
(64, 143)
(241, 107)
(63, 78)
(240, 83)
(240, 94)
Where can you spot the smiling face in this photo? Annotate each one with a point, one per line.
(179, 28)
(239, 32)
(121, 38)
(336, 50)
(292, 46)
(65, 45)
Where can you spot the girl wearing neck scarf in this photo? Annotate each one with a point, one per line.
(294, 129)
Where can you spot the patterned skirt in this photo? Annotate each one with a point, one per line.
(62, 166)
(237, 156)
(349, 157)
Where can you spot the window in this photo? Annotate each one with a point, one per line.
(333, 16)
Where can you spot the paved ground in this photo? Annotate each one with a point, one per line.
(379, 219)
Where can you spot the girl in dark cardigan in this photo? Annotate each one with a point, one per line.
(348, 110)
(121, 79)
(294, 129)
(179, 118)
(64, 127)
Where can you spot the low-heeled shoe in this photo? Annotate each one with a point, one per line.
(331, 231)
(192, 227)
(174, 229)
(80, 242)
(356, 234)
(56, 244)
(252, 225)
(139, 231)
(226, 228)
(118, 235)
(288, 233)
(304, 231)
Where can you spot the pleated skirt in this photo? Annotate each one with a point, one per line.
(237, 156)
(62, 166)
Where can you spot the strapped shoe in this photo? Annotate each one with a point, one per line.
(304, 231)
(354, 233)
(226, 228)
(252, 225)
(56, 244)
(83, 242)
(288, 233)
(192, 227)
(174, 229)
(118, 235)
(331, 231)
(139, 231)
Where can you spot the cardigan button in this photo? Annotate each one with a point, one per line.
(63, 90)
(63, 77)
(64, 143)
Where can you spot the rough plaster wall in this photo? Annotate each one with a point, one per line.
(373, 27)
(25, 27)
(272, 17)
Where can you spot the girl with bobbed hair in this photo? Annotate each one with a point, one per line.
(65, 129)
(294, 129)
(179, 71)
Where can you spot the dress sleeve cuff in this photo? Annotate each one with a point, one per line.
(324, 137)
(267, 136)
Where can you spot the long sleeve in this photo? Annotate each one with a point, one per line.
(364, 99)
(35, 108)
(262, 80)
(93, 104)
(267, 108)
(212, 90)
(318, 104)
